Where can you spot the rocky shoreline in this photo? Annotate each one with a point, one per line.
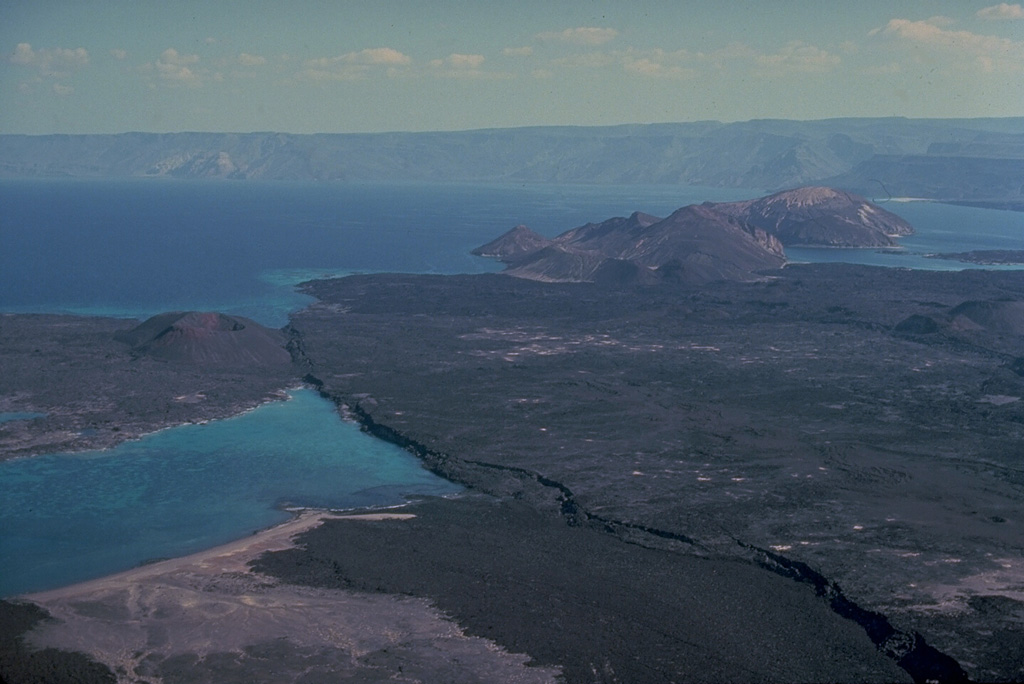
(799, 479)
(670, 421)
(909, 651)
(985, 257)
(95, 392)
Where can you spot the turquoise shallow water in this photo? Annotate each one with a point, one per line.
(66, 518)
(139, 247)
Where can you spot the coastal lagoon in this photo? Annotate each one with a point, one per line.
(134, 248)
(65, 518)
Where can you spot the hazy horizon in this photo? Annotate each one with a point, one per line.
(115, 66)
(528, 126)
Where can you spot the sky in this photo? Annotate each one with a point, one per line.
(307, 66)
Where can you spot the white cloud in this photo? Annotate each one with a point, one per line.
(174, 67)
(799, 57)
(990, 53)
(584, 35)
(381, 55)
(245, 59)
(55, 62)
(518, 51)
(652, 63)
(940, 20)
(465, 61)
(648, 67)
(62, 89)
(463, 66)
(24, 55)
(172, 56)
(658, 63)
(353, 66)
(118, 54)
(1002, 11)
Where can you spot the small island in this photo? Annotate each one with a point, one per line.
(984, 257)
(699, 243)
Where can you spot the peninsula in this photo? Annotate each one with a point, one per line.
(770, 471)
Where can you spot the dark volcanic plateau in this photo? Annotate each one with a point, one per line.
(811, 475)
(100, 381)
(798, 420)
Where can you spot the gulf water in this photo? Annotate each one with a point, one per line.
(135, 248)
(140, 247)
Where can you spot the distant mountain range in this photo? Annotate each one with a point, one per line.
(699, 243)
(963, 160)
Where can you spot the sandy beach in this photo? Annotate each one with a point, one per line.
(231, 557)
(208, 615)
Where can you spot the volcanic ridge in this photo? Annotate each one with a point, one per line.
(699, 243)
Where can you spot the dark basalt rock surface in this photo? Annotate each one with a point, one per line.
(580, 598)
(796, 479)
(21, 664)
(1003, 317)
(97, 391)
(997, 325)
(917, 324)
(797, 423)
(207, 338)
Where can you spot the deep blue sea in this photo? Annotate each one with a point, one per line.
(138, 247)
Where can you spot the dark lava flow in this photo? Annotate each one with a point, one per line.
(801, 423)
(910, 651)
(669, 482)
